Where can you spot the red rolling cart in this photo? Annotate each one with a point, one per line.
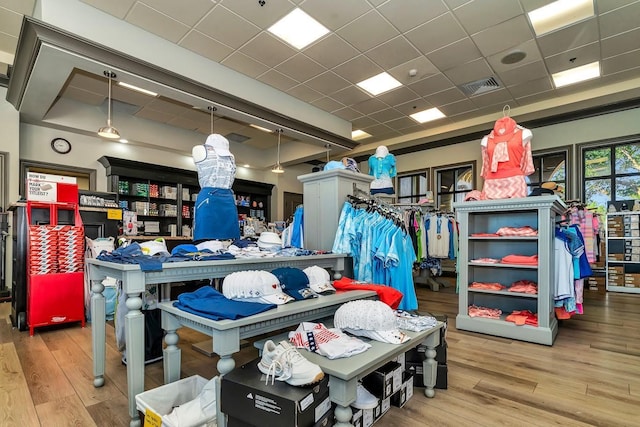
(55, 265)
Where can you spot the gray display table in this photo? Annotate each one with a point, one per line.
(324, 194)
(134, 282)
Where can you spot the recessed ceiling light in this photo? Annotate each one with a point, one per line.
(559, 14)
(246, 165)
(359, 134)
(123, 140)
(378, 84)
(576, 75)
(427, 115)
(261, 128)
(298, 29)
(137, 89)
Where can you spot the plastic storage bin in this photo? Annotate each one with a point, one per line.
(163, 399)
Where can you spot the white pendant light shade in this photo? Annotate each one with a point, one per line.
(109, 131)
(277, 168)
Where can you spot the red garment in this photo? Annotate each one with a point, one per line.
(386, 294)
(485, 235)
(523, 317)
(520, 259)
(524, 286)
(506, 155)
(487, 286)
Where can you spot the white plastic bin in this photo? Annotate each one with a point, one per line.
(161, 400)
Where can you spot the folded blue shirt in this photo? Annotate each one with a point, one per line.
(209, 303)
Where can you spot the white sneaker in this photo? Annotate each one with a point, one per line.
(364, 399)
(288, 364)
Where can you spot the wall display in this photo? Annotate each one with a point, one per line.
(60, 145)
(623, 251)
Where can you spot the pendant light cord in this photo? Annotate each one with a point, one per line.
(212, 109)
(109, 104)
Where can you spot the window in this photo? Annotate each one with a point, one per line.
(412, 186)
(611, 173)
(550, 166)
(453, 183)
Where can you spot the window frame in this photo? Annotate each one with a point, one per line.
(415, 194)
(567, 150)
(437, 194)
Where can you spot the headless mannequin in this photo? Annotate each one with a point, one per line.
(382, 166)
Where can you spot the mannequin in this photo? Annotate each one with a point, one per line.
(216, 214)
(382, 166)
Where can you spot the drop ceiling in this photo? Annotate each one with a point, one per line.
(448, 44)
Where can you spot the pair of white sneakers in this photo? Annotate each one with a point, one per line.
(283, 362)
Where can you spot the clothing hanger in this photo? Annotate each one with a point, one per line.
(506, 111)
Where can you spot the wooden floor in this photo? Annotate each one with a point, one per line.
(590, 376)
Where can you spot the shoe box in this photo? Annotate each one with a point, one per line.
(385, 380)
(418, 379)
(402, 396)
(248, 401)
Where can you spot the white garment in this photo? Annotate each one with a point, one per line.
(438, 235)
(331, 343)
(563, 272)
(196, 411)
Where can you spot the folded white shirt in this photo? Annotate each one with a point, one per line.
(331, 343)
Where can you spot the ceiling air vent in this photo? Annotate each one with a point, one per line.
(480, 86)
(236, 137)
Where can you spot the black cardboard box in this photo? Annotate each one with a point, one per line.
(246, 398)
(417, 354)
(415, 368)
(402, 396)
(385, 380)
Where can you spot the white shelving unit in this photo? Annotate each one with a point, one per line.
(623, 252)
(487, 217)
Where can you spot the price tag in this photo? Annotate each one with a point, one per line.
(114, 214)
(151, 419)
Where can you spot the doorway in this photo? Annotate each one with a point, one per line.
(291, 202)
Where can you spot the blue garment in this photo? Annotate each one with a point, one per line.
(297, 238)
(334, 164)
(209, 303)
(294, 282)
(384, 167)
(132, 254)
(216, 215)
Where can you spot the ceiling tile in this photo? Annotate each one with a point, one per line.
(431, 85)
(199, 116)
(184, 123)
(530, 49)
(398, 96)
(347, 113)
(360, 35)
(582, 56)
(423, 67)
(129, 96)
(455, 54)
(83, 96)
(156, 116)
(165, 106)
(327, 104)
(401, 123)
(469, 72)
(529, 5)
(620, 43)
(277, 80)
(327, 83)
(609, 5)
(227, 27)
(446, 97)
(350, 95)
(305, 93)
(244, 64)
(89, 82)
(525, 73)
(387, 115)
(24, 7)
(11, 21)
(568, 38)
(407, 14)
(300, 68)
(476, 16)
(357, 69)
(500, 96)
(455, 3)
(621, 63)
(205, 46)
(456, 108)
(117, 8)
(492, 40)
(8, 43)
(620, 20)
(437, 33)
(621, 76)
(262, 16)
(414, 106)
(156, 23)
(364, 122)
(268, 49)
(370, 106)
(531, 87)
(332, 13)
(393, 53)
(189, 12)
(331, 51)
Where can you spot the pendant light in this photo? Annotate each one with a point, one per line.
(278, 167)
(109, 131)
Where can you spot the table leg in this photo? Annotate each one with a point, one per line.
(343, 416)
(226, 364)
(343, 393)
(429, 365)
(98, 324)
(171, 357)
(134, 338)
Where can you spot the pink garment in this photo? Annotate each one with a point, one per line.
(517, 231)
(505, 188)
(520, 259)
(584, 219)
(478, 311)
(486, 260)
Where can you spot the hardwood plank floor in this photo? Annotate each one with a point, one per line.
(589, 377)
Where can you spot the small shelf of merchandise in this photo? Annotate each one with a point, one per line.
(623, 252)
(487, 217)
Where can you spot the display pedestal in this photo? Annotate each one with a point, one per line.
(324, 194)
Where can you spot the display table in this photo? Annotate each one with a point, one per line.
(134, 282)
